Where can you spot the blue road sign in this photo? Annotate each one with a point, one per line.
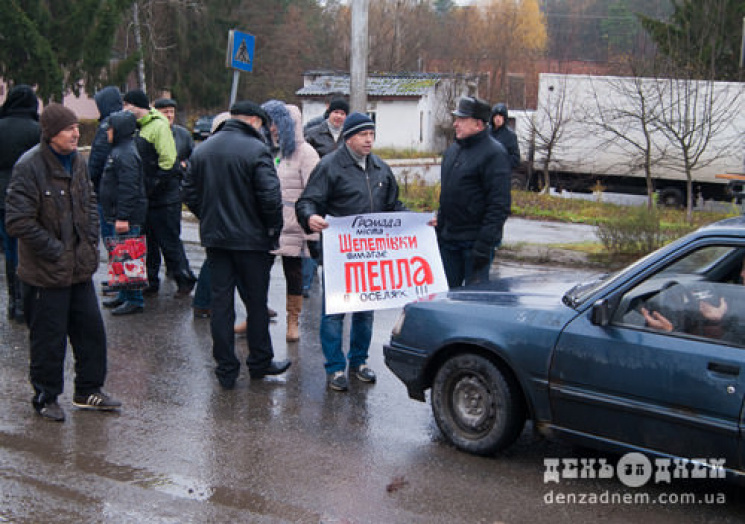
(240, 51)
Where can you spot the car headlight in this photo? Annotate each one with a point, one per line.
(398, 326)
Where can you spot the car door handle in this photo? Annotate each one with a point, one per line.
(725, 369)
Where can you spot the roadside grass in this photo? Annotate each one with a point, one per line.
(388, 153)
(623, 231)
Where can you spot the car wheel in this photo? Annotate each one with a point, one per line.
(476, 407)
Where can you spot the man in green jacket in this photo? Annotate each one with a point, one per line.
(162, 178)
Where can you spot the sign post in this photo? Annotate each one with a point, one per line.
(239, 57)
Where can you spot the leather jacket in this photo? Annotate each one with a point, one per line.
(232, 187)
(54, 215)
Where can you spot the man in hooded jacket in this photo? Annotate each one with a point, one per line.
(19, 132)
(122, 197)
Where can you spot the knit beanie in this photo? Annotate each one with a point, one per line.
(54, 119)
(137, 98)
(355, 123)
(338, 104)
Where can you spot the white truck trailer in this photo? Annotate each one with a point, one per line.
(591, 124)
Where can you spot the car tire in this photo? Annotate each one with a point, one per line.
(476, 407)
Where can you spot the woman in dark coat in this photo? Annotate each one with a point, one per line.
(19, 132)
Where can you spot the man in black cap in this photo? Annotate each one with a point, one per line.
(51, 209)
(181, 135)
(326, 136)
(232, 187)
(157, 149)
(474, 196)
(349, 181)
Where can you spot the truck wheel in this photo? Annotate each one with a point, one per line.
(476, 407)
(671, 197)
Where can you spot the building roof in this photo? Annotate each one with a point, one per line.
(400, 84)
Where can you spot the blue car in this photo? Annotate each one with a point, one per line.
(649, 359)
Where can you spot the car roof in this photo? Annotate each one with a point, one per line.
(734, 226)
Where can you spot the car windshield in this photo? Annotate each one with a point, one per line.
(700, 263)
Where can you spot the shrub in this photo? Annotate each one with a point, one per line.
(637, 232)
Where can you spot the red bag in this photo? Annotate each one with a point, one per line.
(127, 262)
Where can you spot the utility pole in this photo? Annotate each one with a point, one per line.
(138, 43)
(358, 65)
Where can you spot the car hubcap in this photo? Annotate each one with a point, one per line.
(472, 404)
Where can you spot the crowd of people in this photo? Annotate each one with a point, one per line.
(261, 187)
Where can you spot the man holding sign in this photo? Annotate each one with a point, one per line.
(349, 181)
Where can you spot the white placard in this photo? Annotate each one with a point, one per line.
(380, 261)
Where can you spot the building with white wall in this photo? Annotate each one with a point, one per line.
(411, 110)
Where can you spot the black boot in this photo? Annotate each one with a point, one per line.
(185, 280)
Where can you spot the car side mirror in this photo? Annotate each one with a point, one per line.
(600, 315)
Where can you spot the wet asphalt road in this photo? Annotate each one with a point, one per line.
(278, 450)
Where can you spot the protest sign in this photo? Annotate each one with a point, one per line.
(379, 261)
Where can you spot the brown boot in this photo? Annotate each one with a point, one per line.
(294, 307)
(240, 329)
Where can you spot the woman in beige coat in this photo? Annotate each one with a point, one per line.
(295, 161)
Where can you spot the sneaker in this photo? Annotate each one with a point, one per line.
(99, 400)
(51, 411)
(337, 381)
(363, 373)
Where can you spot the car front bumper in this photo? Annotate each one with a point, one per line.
(408, 365)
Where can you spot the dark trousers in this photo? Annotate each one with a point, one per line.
(249, 270)
(163, 230)
(54, 315)
(293, 270)
(457, 261)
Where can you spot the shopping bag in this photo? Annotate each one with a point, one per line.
(127, 268)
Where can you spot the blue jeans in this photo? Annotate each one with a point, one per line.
(310, 265)
(107, 228)
(10, 245)
(457, 261)
(332, 330)
(133, 296)
(202, 292)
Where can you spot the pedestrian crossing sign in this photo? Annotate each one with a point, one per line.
(240, 51)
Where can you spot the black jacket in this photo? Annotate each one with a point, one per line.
(19, 132)
(184, 144)
(475, 192)
(339, 187)
(122, 189)
(232, 187)
(507, 137)
(322, 140)
(108, 100)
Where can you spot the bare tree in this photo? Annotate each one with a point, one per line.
(549, 128)
(624, 114)
(692, 114)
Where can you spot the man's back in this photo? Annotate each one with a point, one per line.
(232, 187)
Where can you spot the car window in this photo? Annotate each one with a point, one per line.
(698, 295)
